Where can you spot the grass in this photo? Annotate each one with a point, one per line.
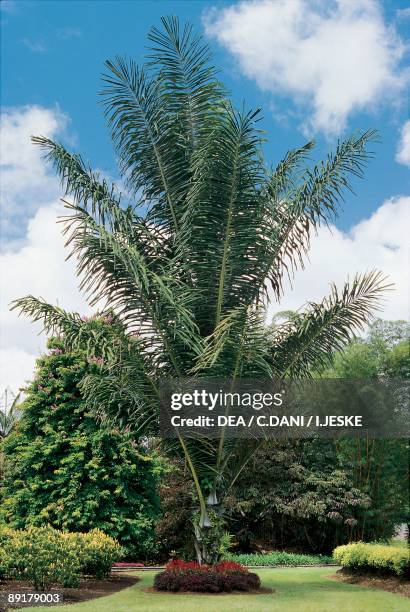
(278, 557)
(399, 543)
(307, 589)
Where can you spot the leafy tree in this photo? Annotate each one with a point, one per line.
(188, 258)
(296, 494)
(379, 466)
(70, 471)
(373, 356)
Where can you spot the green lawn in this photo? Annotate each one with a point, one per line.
(296, 590)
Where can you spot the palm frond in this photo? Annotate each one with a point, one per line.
(92, 194)
(189, 86)
(306, 207)
(76, 329)
(309, 339)
(221, 223)
(285, 177)
(238, 347)
(140, 130)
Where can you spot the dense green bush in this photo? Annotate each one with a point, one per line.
(40, 556)
(95, 550)
(362, 557)
(5, 558)
(66, 469)
(45, 556)
(278, 557)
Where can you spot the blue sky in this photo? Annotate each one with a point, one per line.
(318, 68)
(53, 54)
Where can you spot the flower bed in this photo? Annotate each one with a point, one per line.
(223, 577)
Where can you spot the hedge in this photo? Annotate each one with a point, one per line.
(279, 558)
(44, 556)
(376, 558)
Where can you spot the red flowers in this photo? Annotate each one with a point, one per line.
(229, 567)
(223, 567)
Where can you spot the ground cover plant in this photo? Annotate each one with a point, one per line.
(279, 557)
(44, 556)
(373, 557)
(190, 255)
(291, 589)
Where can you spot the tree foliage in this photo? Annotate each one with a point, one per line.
(68, 470)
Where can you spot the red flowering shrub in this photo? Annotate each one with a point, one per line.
(200, 581)
(225, 576)
(177, 565)
(228, 567)
(244, 581)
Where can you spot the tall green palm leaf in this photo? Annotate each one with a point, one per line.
(10, 412)
(191, 260)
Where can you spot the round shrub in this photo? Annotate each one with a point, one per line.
(41, 556)
(95, 551)
(45, 556)
(376, 558)
(222, 577)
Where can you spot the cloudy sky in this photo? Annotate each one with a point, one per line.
(318, 68)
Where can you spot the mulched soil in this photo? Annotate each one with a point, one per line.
(88, 589)
(384, 583)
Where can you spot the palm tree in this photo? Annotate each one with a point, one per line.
(10, 413)
(190, 260)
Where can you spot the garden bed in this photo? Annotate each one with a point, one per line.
(391, 584)
(87, 590)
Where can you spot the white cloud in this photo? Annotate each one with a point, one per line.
(379, 242)
(403, 151)
(403, 13)
(332, 58)
(8, 6)
(69, 32)
(35, 265)
(27, 183)
(38, 268)
(34, 45)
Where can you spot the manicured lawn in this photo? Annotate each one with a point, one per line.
(296, 590)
